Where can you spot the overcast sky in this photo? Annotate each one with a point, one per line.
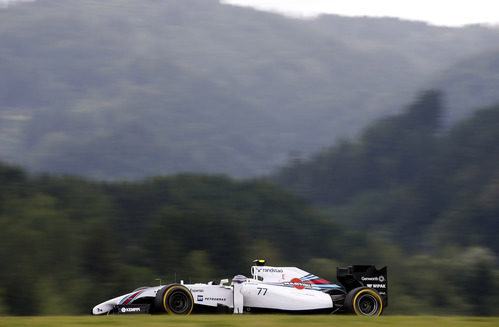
(437, 12)
(6, 3)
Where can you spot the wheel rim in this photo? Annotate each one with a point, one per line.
(178, 302)
(367, 305)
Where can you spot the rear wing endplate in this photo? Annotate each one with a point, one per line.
(364, 275)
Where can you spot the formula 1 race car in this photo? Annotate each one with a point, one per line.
(363, 292)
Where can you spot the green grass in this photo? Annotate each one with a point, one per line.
(246, 320)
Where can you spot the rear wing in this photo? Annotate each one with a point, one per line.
(364, 275)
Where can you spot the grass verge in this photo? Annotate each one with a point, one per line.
(247, 320)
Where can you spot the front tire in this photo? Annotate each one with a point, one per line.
(364, 301)
(174, 299)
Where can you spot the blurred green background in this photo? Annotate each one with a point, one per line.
(183, 139)
(424, 204)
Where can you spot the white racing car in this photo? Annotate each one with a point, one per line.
(270, 289)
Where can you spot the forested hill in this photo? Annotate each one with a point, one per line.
(67, 244)
(126, 89)
(406, 179)
(470, 83)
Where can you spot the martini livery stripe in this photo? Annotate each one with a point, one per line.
(129, 299)
(317, 282)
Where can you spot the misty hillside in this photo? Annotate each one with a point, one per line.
(407, 180)
(470, 83)
(126, 89)
(423, 205)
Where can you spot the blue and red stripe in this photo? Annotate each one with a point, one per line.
(130, 298)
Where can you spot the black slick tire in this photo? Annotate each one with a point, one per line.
(364, 301)
(174, 299)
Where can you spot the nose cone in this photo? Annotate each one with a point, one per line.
(101, 309)
(96, 310)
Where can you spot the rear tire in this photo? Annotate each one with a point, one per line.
(364, 301)
(174, 299)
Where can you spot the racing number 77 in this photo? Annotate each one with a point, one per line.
(260, 289)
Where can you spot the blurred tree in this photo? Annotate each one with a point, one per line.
(198, 267)
(476, 279)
